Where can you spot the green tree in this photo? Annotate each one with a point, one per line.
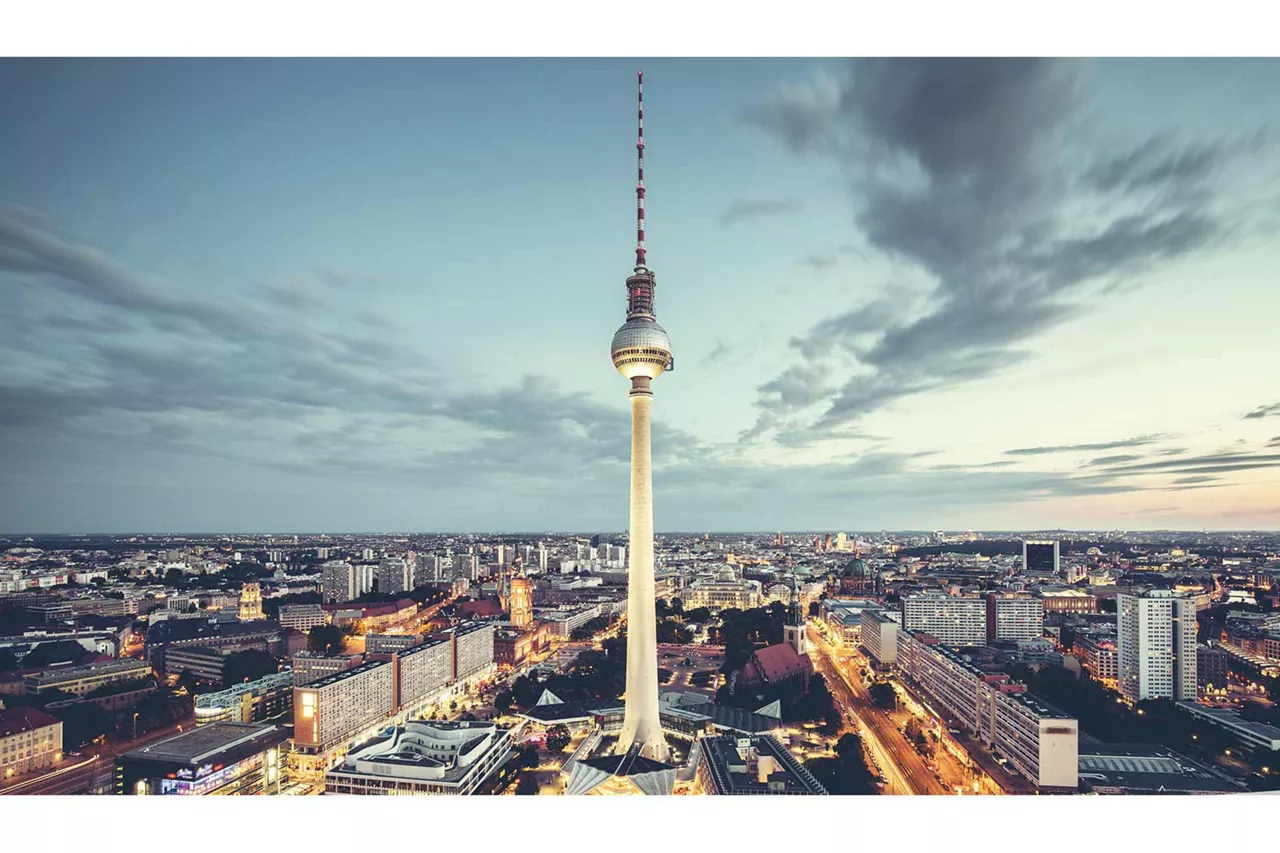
(527, 785)
(173, 577)
(328, 639)
(883, 695)
(187, 681)
(529, 757)
(247, 665)
(503, 701)
(815, 608)
(557, 738)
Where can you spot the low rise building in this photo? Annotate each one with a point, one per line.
(250, 702)
(1251, 735)
(722, 594)
(730, 765)
(79, 680)
(217, 759)
(423, 757)
(30, 739)
(1129, 768)
(302, 617)
(203, 662)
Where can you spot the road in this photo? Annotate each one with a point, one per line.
(92, 769)
(903, 768)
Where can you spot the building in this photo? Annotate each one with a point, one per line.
(423, 672)
(1134, 768)
(330, 711)
(722, 594)
(844, 617)
(472, 644)
(1039, 742)
(30, 740)
(203, 662)
(394, 576)
(562, 622)
(780, 665)
(521, 606)
(423, 757)
(79, 680)
(730, 765)
(220, 759)
(1252, 736)
(466, 566)
(1156, 645)
(385, 644)
(1014, 617)
(250, 702)
(338, 582)
(1097, 653)
(1068, 600)
(302, 617)
(313, 666)
(880, 636)
(1040, 557)
(1211, 668)
(251, 603)
(955, 620)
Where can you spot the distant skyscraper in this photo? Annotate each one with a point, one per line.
(641, 352)
(1156, 645)
(1040, 557)
(394, 575)
(338, 580)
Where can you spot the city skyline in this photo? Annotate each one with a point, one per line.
(909, 295)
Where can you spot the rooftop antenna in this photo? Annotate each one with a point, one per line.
(640, 259)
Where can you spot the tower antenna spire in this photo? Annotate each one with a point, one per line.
(640, 251)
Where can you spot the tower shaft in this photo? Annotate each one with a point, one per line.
(641, 725)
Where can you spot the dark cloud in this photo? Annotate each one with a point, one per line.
(1137, 441)
(959, 170)
(1200, 478)
(1113, 460)
(741, 209)
(819, 262)
(1270, 411)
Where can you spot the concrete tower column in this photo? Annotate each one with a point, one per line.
(641, 724)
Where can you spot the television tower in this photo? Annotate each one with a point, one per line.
(641, 352)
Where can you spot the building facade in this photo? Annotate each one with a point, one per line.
(880, 636)
(955, 620)
(219, 759)
(422, 757)
(302, 617)
(1156, 645)
(30, 739)
(1012, 618)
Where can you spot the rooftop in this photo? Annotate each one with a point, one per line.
(16, 720)
(205, 742)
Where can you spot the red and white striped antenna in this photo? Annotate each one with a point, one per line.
(640, 252)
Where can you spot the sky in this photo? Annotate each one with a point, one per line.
(377, 295)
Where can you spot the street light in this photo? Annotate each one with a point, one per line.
(135, 725)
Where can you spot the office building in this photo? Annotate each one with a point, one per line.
(30, 739)
(302, 617)
(203, 662)
(1211, 668)
(423, 757)
(385, 644)
(1038, 741)
(1014, 617)
(249, 702)
(219, 759)
(880, 636)
(734, 765)
(313, 666)
(79, 680)
(1156, 645)
(955, 620)
(1040, 557)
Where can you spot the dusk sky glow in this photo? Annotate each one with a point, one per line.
(341, 295)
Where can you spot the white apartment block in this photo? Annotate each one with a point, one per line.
(955, 620)
(1039, 742)
(1014, 618)
(1156, 645)
(880, 636)
(328, 711)
(472, 648)
(425, 671)
(338, 580)
(394, 575)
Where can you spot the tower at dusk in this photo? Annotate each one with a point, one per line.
(641, 352)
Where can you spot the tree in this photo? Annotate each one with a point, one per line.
(815, 608)
(557, 738)
(677, 606)
(83, 722)
(7, 660)
(503, 701)
(529, 757)
(325, 638)
(883, 695)
(247, 665)
(187, 681)
(173, 577)
(527, 785)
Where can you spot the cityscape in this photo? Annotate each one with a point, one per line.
(852, 655)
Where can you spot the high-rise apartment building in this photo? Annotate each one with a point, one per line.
(466, 566)
(1011, 617)
(955, 620)
(338, 581)
(879, 633)
(424, 670)
(330, 710)
(394, 576)
(1156, 645)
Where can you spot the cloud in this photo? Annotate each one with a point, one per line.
(1112, 460)
(1137, 441)
(819, 262)
(1270, 411)
(742, 209)
(959, 170)
(1196, 479)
